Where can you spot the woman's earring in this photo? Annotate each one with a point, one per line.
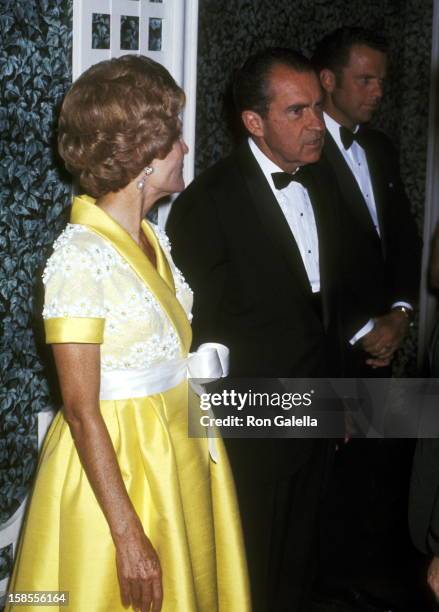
(147, 171)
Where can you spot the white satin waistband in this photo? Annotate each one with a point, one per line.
(209, 362)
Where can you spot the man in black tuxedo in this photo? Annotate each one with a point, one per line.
(381, 262)
(381, 247)
(260, 250)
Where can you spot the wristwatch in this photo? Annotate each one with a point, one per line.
(408, 312)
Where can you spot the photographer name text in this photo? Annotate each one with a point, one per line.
(252, 421)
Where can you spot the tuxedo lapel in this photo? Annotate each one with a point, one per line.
(160, 281)
(271, 216)
(349, 188)
(324, 213)
(379, 186)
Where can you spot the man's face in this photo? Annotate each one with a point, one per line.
(358, 89)
(292, 132)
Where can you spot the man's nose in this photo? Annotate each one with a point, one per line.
(377, 89)
(316, 122)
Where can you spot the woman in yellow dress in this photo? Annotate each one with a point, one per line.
(127, 509)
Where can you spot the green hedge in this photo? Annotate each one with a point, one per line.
(35, 71)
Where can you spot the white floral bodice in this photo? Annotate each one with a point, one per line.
(87, 277)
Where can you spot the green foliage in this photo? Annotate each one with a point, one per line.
(35, 71)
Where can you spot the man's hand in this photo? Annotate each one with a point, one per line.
(385, 338)
(375, 362)
(433, 576)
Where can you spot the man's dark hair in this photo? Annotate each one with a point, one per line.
(333, 50)
(251, 83)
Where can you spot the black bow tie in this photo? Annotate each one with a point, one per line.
(347, 137)
(283, 179)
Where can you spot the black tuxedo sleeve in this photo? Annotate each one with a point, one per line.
(353, 312)
(373, 288)
(404, 246)
(198, 249)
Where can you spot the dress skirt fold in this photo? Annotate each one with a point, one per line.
(185, 501)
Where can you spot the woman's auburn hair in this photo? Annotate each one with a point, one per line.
(116, 118)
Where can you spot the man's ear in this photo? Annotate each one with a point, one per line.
(253, 123)
(327, 80)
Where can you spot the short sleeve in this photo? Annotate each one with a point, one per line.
(74, 309)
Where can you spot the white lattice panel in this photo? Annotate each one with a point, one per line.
(170, 13)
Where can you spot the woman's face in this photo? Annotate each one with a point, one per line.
(168, 173)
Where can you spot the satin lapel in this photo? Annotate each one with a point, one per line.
(163, 267)
(324, 214)
(85, 212)
(349, 188)
(379, 187)
(271, 216)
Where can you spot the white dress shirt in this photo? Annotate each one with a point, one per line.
(356, 159)
(297, 208)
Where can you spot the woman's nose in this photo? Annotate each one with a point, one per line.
(184, 146)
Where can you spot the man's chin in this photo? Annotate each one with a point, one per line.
(312, 157)
(366, 116)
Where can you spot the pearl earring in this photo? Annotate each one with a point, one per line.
(147, 171)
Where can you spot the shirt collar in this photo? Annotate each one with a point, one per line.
(266, 164)
(333, 128)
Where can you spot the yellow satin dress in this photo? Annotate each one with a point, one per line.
(100, 288)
